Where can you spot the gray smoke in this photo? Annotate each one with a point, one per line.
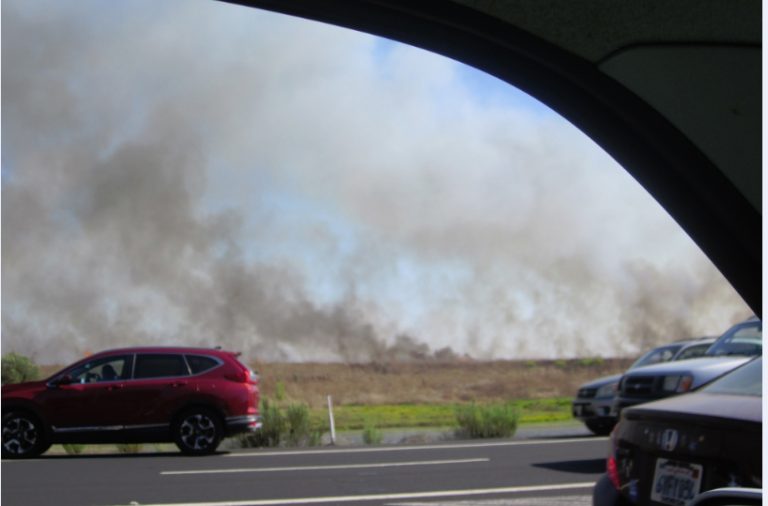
(201, 173)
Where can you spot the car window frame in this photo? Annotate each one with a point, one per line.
(658, 349)
(681, 355)
(728, 336)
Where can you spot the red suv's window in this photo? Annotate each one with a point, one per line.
(200, 363)
(103, 369)
(159, 366)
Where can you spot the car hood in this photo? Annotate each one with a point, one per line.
(712, 364)
(703, 406)
(605, 380)
(20, 387)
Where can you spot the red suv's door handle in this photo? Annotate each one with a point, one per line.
(116, 387)
(177, 384)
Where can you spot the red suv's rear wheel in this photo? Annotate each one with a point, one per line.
(197, 431)
(23, 436)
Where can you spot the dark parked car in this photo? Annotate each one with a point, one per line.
(668, 452)
(190, 396)
(594, 400)
(736, 346)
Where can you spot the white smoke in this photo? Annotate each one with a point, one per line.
(191, 172)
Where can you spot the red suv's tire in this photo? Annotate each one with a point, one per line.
(23, 436)
(197, 431)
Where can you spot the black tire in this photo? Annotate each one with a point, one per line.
(600, 428)
(23, 436)
(197, 431)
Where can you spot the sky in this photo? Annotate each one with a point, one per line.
(198, 173)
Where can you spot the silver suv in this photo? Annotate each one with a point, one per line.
(740, 343)
(594, 400)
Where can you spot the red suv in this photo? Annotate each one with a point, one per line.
(193, 397)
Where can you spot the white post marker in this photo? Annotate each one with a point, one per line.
(330, 418)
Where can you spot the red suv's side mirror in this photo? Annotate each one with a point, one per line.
(61, 380)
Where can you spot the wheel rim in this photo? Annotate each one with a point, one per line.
(198, 432)
(20, 435)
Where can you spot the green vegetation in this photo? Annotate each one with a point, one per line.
(292, 425)
(18, 369)
(298, 425)
(390, 416)
(372, 435)
(280, 391)
(301, 431)
(487, 421)
(553, 409)
(591, 362)
(273, 427)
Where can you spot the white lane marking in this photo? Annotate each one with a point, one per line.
(421, 447)
(320, 468)
(387, 497)
(563, 500)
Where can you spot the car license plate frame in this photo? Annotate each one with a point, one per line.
(676, 483)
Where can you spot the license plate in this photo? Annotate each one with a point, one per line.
(676, 483)
(577, 410)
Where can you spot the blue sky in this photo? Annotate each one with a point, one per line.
(303, 192)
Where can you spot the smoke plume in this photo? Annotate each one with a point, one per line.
(200, 173)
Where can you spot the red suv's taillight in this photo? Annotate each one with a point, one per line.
(242, 374)
(239, 376)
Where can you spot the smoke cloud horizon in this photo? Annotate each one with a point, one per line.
(196, 173)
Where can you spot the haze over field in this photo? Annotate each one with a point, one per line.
(190, 172)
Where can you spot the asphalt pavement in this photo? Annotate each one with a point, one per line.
(541, 465)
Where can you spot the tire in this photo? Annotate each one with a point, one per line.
(23, 436)
(197, 431)
(600, 428)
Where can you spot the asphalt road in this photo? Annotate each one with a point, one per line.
(551, 471)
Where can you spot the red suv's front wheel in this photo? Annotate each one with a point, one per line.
(197, 431)
(23, 436)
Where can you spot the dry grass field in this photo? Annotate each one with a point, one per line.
(430, 382)
(425, 394)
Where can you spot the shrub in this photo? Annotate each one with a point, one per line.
(372, 435)
(18, 369)
(315, 436)
(302, 430)
(298, 424)
(487, 421)
(294, 427)
(272, 428)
